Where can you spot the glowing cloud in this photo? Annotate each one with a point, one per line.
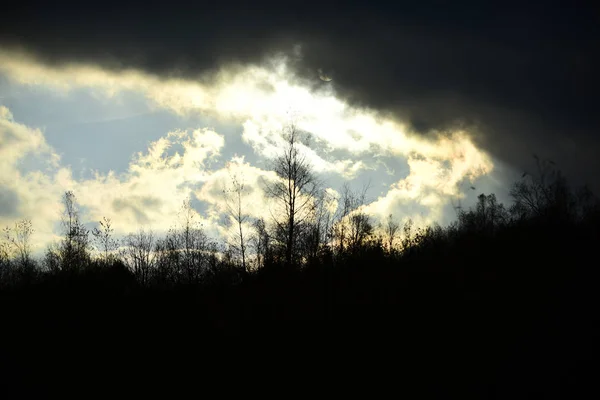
(261, 99)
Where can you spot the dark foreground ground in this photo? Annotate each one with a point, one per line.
(502, 319)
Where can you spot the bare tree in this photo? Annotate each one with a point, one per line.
(103, 236)
(317, 227)
(391, 231)
(361, 229)
(487, 215)
(408, 238)
(5, 252)
(234, 196)
(190, 244)
(352, 226)
(261, 241)
(167, 262)
(18, 242)
(74, 247)
(138, 254)
(295, 190)
(544, 192)
(339, 229)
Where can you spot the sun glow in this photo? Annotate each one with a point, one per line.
(260, 100)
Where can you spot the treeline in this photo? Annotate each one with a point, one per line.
(503, 298)
(309, 228)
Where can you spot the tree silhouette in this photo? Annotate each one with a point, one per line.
(138, 254)
(315, 231)
(543, 193)
(391, 231)
(74, 248)
(16, 263)
(18, 238)
(105, 242)
(295, 190)
(261, 242)
(339, 228)
(234, 197)
(353, 226)
(487, 216)
(185, 255)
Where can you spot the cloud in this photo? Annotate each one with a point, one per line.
(28, 194)
(18, 141)
(452, 92)
(149, 194)
(263, 99)
(423, 194)
(136, 206)
(525, 82)
(220, 181)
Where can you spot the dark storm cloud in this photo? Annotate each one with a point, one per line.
(524, 76)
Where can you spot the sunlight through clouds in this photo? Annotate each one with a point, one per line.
(261, 100)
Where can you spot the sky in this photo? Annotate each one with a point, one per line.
(136, 108)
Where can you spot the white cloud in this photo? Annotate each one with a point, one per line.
(151, 192)
(432, 181)
(255, 202)
(262, 99)
(34, 194)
